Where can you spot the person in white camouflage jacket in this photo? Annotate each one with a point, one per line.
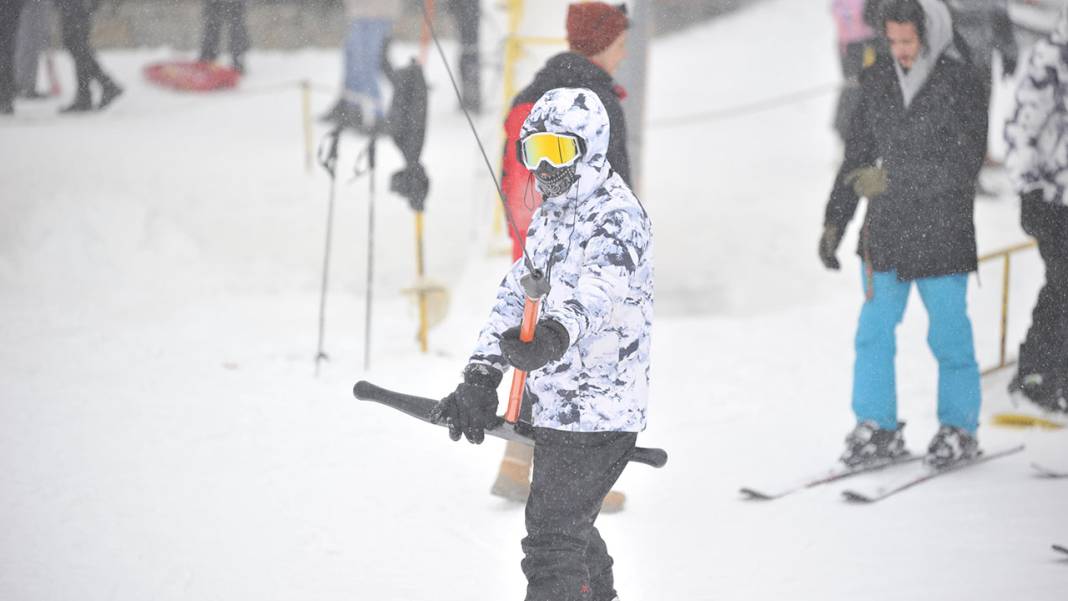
(588, 365)
(1037, 136)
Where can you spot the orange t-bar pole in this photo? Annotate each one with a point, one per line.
(519, 378)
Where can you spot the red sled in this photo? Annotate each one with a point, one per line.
(192, 76)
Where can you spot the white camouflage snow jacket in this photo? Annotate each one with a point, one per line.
(597, 241)
(1037, 134)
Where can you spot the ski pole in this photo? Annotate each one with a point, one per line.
(328, 160)
(370, 250)
(535, 287)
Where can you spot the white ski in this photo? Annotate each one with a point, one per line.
(882, 491)
(1045, 472)
(831, 475)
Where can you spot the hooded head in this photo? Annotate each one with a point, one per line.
(919, 32)
(579, 112)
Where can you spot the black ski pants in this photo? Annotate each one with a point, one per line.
(9, 26)
(565, 557)
(216, 14)
(1045, 350)
(76, 17)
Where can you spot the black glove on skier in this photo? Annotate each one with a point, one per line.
(472, 407)
(550, 342)
(829, 242)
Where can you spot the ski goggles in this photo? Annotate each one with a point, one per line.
(559, 150)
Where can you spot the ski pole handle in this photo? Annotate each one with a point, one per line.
(519, 378)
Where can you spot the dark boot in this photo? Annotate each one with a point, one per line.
(81, 104)
(868, 444)
(951, 445)
(110, 92)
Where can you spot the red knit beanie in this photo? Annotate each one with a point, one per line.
(593, 26)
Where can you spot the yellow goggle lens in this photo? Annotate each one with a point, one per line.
(560, 150)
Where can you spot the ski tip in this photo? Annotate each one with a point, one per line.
(754, 495)
(856, 497)
(1060, 549)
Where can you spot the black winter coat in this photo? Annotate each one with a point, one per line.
(570, 70)
(923, 225)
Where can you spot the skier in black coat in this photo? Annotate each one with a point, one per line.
(914, 151)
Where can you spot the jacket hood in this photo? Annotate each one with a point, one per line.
(576, 111)
(939, 25)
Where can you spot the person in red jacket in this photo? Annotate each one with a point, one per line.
(596, 36)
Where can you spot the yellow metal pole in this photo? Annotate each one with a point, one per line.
(1005, 307)
(513, 49)
(421, 283)
(305, 100)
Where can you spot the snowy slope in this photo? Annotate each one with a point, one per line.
(162, 435)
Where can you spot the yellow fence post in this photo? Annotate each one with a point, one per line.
(1006, 256)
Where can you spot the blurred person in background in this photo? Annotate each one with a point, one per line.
(1037, 136)
(10, 10)
(370, 24)
(76, 18)
(596, 35)
(858, 44)
(914, 150)
(230, 13)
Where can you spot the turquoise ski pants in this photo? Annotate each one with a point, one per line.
(949, 335)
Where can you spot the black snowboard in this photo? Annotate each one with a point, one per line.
(420, 408)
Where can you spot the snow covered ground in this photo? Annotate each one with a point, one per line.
(162, 435)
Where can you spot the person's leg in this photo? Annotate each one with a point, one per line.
(74, 21)
(10, 11)
(950, 337)
(32, 41)
(1043, 350)
(468, 16)
(239, 43)
(572, 474)
(513, 477)
(599, 564)
(874, 385)
(209, 43)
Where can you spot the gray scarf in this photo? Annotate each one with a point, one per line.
(939, 25)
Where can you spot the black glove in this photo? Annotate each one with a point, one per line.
(472, 407)
(829, 242)
(550, 342)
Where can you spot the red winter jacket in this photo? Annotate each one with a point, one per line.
(566, 70)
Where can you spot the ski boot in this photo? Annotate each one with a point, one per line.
(950, 445)
(1048, 392)
(869, 444)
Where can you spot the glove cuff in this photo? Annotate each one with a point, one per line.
(558, 330)
(480, 374)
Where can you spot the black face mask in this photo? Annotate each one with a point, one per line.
(555, 181)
